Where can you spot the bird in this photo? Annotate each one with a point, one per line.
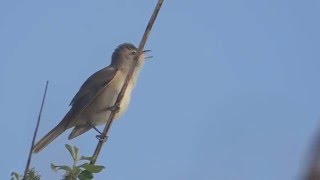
(93, 103)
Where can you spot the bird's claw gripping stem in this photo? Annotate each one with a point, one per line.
(114, 108)
(102, 138)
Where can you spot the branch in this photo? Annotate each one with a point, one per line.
(35, 133)
(128, 77)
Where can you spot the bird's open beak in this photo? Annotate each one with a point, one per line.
(146, 51)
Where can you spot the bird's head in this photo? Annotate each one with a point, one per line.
(124, 55)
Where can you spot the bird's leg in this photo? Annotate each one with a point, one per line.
(100, 137)
(114, 108)
(95, 128)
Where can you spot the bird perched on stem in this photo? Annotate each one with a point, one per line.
(94, 101)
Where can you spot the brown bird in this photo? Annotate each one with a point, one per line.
(91, 106)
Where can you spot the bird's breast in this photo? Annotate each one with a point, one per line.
(107, 99)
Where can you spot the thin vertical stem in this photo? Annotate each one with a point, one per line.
(35, 133)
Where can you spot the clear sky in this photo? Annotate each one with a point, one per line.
(232, 92)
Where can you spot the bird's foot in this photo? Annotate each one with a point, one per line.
(102, 138)
(114, 108)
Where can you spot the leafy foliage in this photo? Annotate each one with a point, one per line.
(84, 171)
(31, 175)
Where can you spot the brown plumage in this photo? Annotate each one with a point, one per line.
(98, 93)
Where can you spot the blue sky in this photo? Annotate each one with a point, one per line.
(231, 93)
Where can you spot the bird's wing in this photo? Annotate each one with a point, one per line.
(91, 88)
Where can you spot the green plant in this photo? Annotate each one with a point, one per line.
(84, 171)
(31, 175)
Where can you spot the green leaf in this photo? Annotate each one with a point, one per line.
(70, 177)
(15, 175)
(53, 167)
(33, 175)
(76, 151)
(92, 168)
(66, 168)
(56, 168)
(70, 149)
(86, 158)
(85, 175)
(77, 170)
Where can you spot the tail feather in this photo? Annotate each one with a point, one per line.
(48, 138)
(78, 130)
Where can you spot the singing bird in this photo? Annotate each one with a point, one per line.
(91, 105)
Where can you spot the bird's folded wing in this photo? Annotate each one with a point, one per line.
(91, 88)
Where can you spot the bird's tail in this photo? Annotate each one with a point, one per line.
(48, 138)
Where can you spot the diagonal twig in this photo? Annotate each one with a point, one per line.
(35, 133)
(128, 77)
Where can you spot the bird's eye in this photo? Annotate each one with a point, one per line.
(133, 53)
